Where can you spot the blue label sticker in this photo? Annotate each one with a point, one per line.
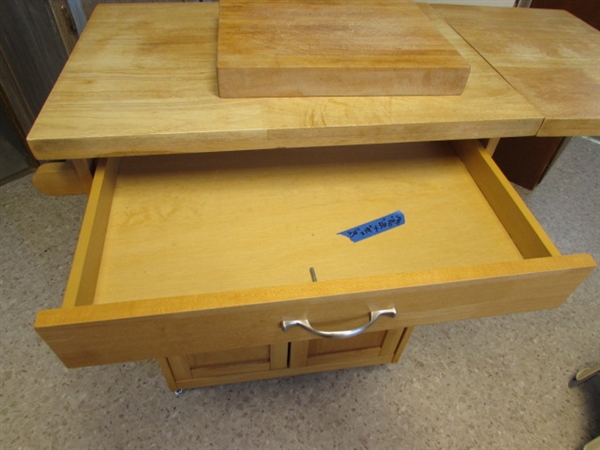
(374, 227)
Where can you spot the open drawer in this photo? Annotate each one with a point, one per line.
(189, 254)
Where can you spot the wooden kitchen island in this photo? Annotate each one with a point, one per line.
(211, 239)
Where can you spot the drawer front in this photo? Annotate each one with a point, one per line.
(146, 329)
(85, 332)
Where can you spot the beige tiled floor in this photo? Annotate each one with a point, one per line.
(497, 383)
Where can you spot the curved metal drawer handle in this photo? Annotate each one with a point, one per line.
(304, 323)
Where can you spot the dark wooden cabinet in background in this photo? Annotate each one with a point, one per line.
(586, 10)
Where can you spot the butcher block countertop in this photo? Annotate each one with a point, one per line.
(274, 48)
(143, 80)
(551, 57)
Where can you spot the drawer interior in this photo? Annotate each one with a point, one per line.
(188, 224)
(184, 255)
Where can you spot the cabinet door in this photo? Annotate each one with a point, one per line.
(284, 359)
(375, 347)
(226, 366)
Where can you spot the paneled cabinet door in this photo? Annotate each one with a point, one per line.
(284, 359)
(225, 366)
(375, 347)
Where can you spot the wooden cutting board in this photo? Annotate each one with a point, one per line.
(302, 48)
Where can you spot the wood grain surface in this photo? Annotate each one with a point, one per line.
(154, 328)
(551, 57)
(242, 310)
(272, 48)
(233, 221)
(58, 178)
(142, 80)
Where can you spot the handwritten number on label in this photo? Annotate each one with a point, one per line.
(375, 227)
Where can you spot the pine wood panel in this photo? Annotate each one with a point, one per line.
(270, 48)
(370, 345)
(407, 332)
(83, 278)
(362, 341)
(364, 354)
(229, 369)
(279, 355)
(167, 373)
(549, 56)
(524, 229)
(306, 356)
(240, 361)
(179, 376)
(251, 376)
(84, 169)
(299, 354)
(392, 340)
(179, 367)
(142, 80)
(240, 355)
